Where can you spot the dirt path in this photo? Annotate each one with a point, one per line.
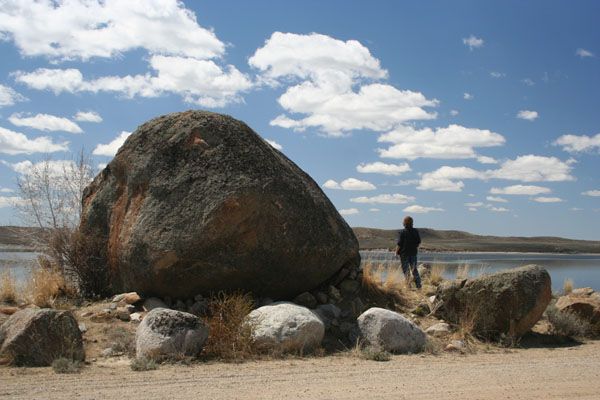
(571, 372)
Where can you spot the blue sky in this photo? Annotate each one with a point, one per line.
(468, 115)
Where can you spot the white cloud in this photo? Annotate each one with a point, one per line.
(330, 83)
(349, 184)
(201, 82)
(496, 199)
(487, 160)
(473, 42)
(474, 205)
(349, 211)
(498, 209)
(497, 75)
(45, 122)
(473, 209)
(521, 190)
(80, 30)
(383, 168)
(384, 199)
(468, 96)
(87, 116)
(9, 97)
(447, 179)
(528, 115)
(110, 149)
(452, 142)
(576, 209)
(17, 143)
(101, 166)
(10, 201)
(454, 113)
(593, 193)
(575, 143)
(528, 82)
(374, 209)
(6, 190)
(274, 144)
(584, 53)
(56, 168)
(543, 199)
(532, 168)
(421, 209)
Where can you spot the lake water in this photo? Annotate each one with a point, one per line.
(582, 269)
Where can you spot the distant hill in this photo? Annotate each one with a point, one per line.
(438, 240)
(21, 238)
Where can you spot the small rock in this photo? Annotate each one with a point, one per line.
(432, 299)
(118, 297)
(152, 303)
(123, 314)
(327, 313)
(198, 298)
(582, 292)
(349, 287)
(321, 297)
(8, 310)
(455, 345)
(112, 306)
(82, 327)
(334, 294)
(131, 298)
(306, 300)
(439, 329)
(86, 314)
(136, 317)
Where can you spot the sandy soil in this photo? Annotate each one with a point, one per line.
(540, 373)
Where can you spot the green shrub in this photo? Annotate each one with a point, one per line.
(143, 364)
(566, 323)
(66, 366)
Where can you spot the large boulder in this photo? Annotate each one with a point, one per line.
(508, 302)
(168, 334)
(285, 327)
(197, 202)
(37, 337)
(389, 331)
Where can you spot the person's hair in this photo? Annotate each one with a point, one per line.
(408, 222)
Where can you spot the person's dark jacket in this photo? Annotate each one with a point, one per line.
(408, 242)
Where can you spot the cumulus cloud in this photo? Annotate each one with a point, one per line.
(473, 42)
(448, 179)
(111, 148)
(468, 96)
(421, 209)
(9, 97)
(349, 211)
(274, 144)
(543, 199)
(583, 53)
(374, 209)
(496, 199)
(497, 75)
(331, 83)
(396, 198)
(45, 122)
(454, 113)
(87, 116)
(82, 29)
(349, 184)
(201, 82)
(498, 209)
(487, 160)
(12, 143)
(383, 168)
(527, 115)
(452, 142)
(528, 82)
(474, 204)
(521, 190)
(56, 168)
(593, 193)
(581, 143)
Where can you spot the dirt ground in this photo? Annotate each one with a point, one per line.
(534, 373)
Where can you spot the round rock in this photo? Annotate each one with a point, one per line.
(387, 330)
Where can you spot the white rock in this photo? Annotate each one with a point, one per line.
(439, 329)
(136, 317)
(390, 331)
(285, 327)
(165, 334)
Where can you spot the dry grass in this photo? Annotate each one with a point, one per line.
(462, 271)
(392, 288)
(567, 323)
(8, 288)
(436, 276)
(568, 286)
(229, 339)
(45, 285)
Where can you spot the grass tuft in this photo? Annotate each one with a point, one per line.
(143, 364)
(66, 366)
(8, 288)
(44, 286)
(568, 286)
(436, 276)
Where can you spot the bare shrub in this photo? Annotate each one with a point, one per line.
(8, 288)
(229, 338)
(143, 364)
(566, 323)
(568, 286)
(66, 366)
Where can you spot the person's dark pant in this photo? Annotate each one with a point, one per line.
(409, 263)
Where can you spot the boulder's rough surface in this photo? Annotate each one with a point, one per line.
(285, 327)
(196, 202)
(37, 337)
(387, 330)
(165, 334)
(508, 302)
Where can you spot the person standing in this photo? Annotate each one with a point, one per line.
(408, 247)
